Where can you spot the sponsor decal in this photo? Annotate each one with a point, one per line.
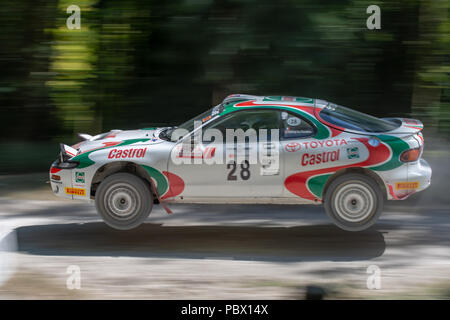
(353, 153)
(324, 143)
(79, 177)
(407, 185)
(288, 132)
(292, 147)
(196, 153)
(374, 142)
(127, 153)
(206, 118)
(85, 161)
(318, 158)
(76, 191)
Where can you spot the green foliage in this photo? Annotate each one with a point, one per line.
(147, 63)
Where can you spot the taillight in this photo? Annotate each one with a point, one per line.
(56, 177)
(411, 155)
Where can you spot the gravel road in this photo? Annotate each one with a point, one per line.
(223, 252)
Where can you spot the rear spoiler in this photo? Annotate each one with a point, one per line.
(412, 124)
(406, 125)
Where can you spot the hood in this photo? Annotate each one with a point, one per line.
(117, 137)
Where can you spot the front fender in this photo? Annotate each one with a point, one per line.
(152, 159)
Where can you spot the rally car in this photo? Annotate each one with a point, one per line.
(306, 151)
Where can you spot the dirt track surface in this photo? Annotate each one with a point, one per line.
(224, 252)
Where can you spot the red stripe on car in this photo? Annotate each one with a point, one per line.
(297, 183)
(54, 170)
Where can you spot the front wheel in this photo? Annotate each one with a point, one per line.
(353, 202)
(123, 201)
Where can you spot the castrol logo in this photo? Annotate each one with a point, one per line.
(127, 153)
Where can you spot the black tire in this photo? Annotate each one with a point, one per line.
(354, 202)
(123, 201)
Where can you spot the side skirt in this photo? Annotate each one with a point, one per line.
(225, 200)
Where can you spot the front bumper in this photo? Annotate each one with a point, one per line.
(63, 185)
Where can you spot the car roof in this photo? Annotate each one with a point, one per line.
(289, 100)
(248, 101)
(278, 99)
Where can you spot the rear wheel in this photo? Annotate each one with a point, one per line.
(354, 202)
(124, 201)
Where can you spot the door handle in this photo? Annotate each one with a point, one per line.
(235, 148)
(269, 146)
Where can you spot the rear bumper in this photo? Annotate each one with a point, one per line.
(418, 178)
(420, 172)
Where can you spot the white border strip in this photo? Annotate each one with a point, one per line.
(8, 247)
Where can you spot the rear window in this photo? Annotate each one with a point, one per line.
(355, 120)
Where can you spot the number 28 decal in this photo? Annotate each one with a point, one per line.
(244, 173)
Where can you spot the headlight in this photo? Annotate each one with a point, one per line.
(65, 165)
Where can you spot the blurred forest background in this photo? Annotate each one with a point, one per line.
(135, 63)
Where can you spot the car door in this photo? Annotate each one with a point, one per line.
(237, 175)
(297, 144)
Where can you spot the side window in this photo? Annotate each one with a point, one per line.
(295, 127)
(249, 119)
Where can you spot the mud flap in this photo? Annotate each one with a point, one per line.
(161, 202)
(395, 197)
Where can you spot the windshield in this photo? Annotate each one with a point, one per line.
(203, 117)
(189, 125)
(355, 120)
